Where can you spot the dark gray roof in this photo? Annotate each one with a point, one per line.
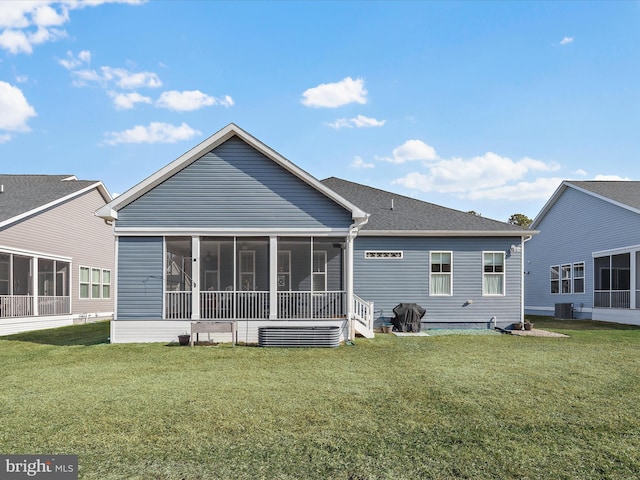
(24, 193)
(621, 191)
(409, 214)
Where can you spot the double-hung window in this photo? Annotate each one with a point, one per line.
(440, 282)
(567, 278)
(95, 283)
(493, 273)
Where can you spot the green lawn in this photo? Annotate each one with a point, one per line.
(440, 407)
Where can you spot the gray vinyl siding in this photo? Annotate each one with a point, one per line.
(70, 230)
(577, 225)
(234, 186)
(388, 282)
(140, 278)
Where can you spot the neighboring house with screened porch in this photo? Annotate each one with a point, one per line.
(233, 231)
(585, 262)
(56, 256)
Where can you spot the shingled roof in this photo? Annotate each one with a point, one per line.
(23, 195)
(391, 213)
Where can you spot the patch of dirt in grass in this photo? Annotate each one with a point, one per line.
(536, 332)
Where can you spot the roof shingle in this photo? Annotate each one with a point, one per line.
(409, 214)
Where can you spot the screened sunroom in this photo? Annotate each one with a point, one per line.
(254, 278)
(32, 285)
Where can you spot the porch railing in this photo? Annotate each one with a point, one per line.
(255, 305)
(54, 305)
(178, 305)
(23, 305)
(612, 298)
(311, 305)
(363, 312)
(16, 305)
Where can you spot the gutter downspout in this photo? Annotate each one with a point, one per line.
(353, 233)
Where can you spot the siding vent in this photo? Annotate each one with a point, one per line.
(383, 254)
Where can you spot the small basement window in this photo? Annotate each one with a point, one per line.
(383, 254)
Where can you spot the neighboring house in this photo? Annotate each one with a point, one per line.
(584, 263)
(232, 230)
(56, 256)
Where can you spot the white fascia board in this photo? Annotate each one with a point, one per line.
(547, 206)
(616, 251)
(206, 146)
(444, 233)
(568, 184)
(99, 185)
(238, 232)
(33, 253)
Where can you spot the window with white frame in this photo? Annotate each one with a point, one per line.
(554, 273)
(440, 273)
(493, 273)
(106, 283)
(94, 283)
(567, 278)
(578, 277)
(85, 282)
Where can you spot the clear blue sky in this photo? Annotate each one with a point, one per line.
(482, 106)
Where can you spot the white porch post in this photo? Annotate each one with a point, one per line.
(273, 277)
(195, 278)
(349, 285)
(34, 286)
(633, 263)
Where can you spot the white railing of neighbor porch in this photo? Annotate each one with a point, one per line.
(612, 299)
(178, 305)
(16, 305)
(54, 305)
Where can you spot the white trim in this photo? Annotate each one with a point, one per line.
(443, 233)
(99, 185)
(237, 232)
(616, 251)
(110, 211)
(569, 184)
(31, 253)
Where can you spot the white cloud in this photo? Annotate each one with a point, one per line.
(15, 111)
(155, 132)
(4, 137)
(411, 150)
(566, 40)
(359, 163)
(580, 172)
(120, 77)
(123, 78)
(24, 24)
(489, 176)
(358, 122)
(332, 95)
(190, 100)
(126, 101)
(538, 189)
(72, 62)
